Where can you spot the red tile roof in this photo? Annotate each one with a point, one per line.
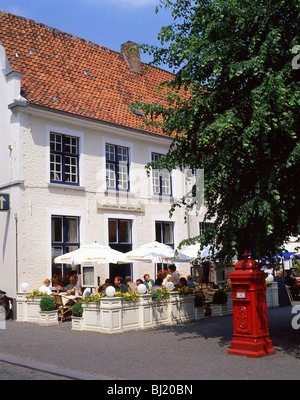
(69, 74)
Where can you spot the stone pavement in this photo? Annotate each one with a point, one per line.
(193, 351)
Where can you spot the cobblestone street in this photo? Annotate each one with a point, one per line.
(194, 351)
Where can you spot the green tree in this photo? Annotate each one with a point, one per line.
(233, 110)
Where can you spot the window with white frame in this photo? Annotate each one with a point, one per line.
(64, 159)
(203, 226)
(164, 232)
(64, 238)
(117, 167)
(161, 180)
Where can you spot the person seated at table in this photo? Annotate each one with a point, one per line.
(77, 276)
(131, 285)
(127, 281)
(182, 282)
(291, 282)
(148, 282)
(175, 275)
(45, 287)
(139, 281)
(190, 282)
(167, 279)
(157, 284)
(70, 289)
(102, 288)
(119, 285)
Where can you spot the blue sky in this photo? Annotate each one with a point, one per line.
(106, 22)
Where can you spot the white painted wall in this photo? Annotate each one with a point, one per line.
(24, 173)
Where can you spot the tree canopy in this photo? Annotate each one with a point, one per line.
(233, 110)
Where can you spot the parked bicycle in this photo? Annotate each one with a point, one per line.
(7, 303)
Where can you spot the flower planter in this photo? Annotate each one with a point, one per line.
(186, 308)
(199, 313)
(77, 323)
(160, 315)
(130, 316)
(33, 309)
(22, 306)
(91, 316)
(112, 315)
(48, 318)
(219, 310)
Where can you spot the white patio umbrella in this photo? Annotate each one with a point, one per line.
(156, 252)
(193, 251)
(95, 252)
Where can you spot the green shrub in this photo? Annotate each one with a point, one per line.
(220, 297)
(47, 303)
(77, 310)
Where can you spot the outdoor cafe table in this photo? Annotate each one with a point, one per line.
(67, 297)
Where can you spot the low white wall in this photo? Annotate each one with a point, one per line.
(114, 316)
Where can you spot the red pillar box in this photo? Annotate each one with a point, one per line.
(250, 321)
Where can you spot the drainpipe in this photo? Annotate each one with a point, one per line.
(17, 261)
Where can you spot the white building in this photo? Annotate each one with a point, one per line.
(73, 155)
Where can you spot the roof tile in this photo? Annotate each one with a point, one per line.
(70, 74)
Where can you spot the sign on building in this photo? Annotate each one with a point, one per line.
(4, 202)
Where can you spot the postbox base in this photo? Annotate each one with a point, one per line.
(251, 347)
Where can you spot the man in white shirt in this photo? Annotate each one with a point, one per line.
(45, 287)
(175, 275)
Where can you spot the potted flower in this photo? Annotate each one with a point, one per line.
(93, 298)
(48, 312)
(36, 294)
(77, 311)
(186, 291)
(59, 280)
(128, 296)
(162, 274)
(160, 294)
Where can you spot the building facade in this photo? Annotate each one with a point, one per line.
(73, 155)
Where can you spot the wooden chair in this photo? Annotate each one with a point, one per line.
(63, 309)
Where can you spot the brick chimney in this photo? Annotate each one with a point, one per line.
(132, 57)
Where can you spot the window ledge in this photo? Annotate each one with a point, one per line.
(118, 193)
(63, 186)
(163, 197)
